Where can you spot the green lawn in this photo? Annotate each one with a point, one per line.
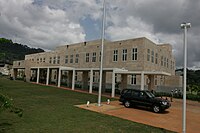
(52, 110)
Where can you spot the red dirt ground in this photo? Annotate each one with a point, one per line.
(171, 119)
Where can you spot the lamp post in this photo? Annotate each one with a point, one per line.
(102, 48)
(185, 26)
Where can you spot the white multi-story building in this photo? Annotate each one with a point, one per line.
(134, 63)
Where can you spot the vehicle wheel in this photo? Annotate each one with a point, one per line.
(127, 104)
(156, 108)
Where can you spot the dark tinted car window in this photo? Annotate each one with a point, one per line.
(150, 94)
(142, 94)
(135, 93)
(124, 91)
(127, 92)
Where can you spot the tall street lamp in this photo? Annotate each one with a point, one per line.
(185, 26)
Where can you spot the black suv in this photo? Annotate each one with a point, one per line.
(131, 97)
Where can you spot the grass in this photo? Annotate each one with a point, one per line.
(52, 110)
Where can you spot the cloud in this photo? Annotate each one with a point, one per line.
(132, 28)
(76, 9)
(38, 25)
(159, 21)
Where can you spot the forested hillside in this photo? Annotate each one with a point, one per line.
(10, 51)
(193, 76)
(193, 79)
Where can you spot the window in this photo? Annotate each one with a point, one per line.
(77, 56)
(165, 62)
(87, 59)
(58, 60)
(152, 56)
(66, 59)
(94, 57)
(134, 54)
(135, 93)
(124, 54)
(148, 54)
(71, 58)
(40, 59)
(156, 59)
(115, 55)
(133, 79)
(54, 60)
(44, 59)
(100, 57)
(161, 60)
(171, 64)
(50, 60)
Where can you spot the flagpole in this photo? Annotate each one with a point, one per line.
(102, 48)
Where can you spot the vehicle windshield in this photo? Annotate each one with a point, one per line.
(151, 95)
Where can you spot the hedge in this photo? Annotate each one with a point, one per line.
(188, 96)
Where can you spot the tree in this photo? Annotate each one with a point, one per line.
(194, 88)
(10, 51)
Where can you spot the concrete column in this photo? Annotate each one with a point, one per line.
(113, 84)
(85, 80)
(124, 81)
(91, 80)
(142, 81)
(27, 73)
(73, 79)
(47, 78)
(38, 75)
(59, 76)
(14, 73)
(151, 85)
(69, 78)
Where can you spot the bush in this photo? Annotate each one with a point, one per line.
(192, 97)
(6, 103)
(160, 94)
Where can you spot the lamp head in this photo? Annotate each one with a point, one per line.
(188, 25)
(185, 25)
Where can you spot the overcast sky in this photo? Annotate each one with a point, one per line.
(50, 23)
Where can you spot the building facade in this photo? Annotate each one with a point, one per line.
(134, 63)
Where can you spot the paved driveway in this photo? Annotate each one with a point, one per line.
(171, 119)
